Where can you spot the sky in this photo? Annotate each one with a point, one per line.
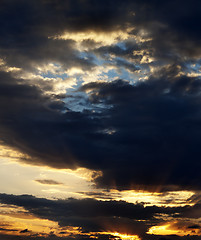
(100, 120)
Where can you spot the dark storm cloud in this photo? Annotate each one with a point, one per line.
(22, 106)
(89, 214)
(88, 208)
(157, 131)
(157, 123)
(27, 26)
(25, 31)
(181, 27)
(92, 215)
(34, 123)
(99, 216)
(172, 27)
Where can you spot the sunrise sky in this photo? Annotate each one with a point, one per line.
(100, 119)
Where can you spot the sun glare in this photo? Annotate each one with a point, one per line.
(122, 236)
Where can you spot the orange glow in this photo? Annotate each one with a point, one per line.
(13, 220)
(174, 198)
(42, 227)
(125, 236)
(34, 225)
(81, 181)
(121, 236)
(176, 228)
(162, 230)
(16, 219)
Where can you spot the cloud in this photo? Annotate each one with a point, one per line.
(8, 230)
(24, 231)
(112, 86)
(156, 131)
(48, 181)
(143, 134)
(89, 214)
(96, 217)
(33, 237)
(26, 37)
(155, 124)
(194, 226)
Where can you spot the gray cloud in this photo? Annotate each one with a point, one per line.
(48, 182)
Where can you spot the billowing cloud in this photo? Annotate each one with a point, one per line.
(141, 128)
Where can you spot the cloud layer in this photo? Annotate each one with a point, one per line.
(92, 216)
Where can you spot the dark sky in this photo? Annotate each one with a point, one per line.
(113, 87)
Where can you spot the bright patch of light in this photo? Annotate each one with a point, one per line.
(22, 177)
(176, 228)
(104, 38)
(122, 236)
(162, 230)
(171, 198)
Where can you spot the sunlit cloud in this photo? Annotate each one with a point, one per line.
(172, 199)
(179, 228)
(163, 230)
(103, 38)
(7, 68)
(122, 236)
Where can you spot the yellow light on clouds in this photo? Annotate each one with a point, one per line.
(99, 37)
(174, 228)
(162, 230)
(171, 198)
(122, 236)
